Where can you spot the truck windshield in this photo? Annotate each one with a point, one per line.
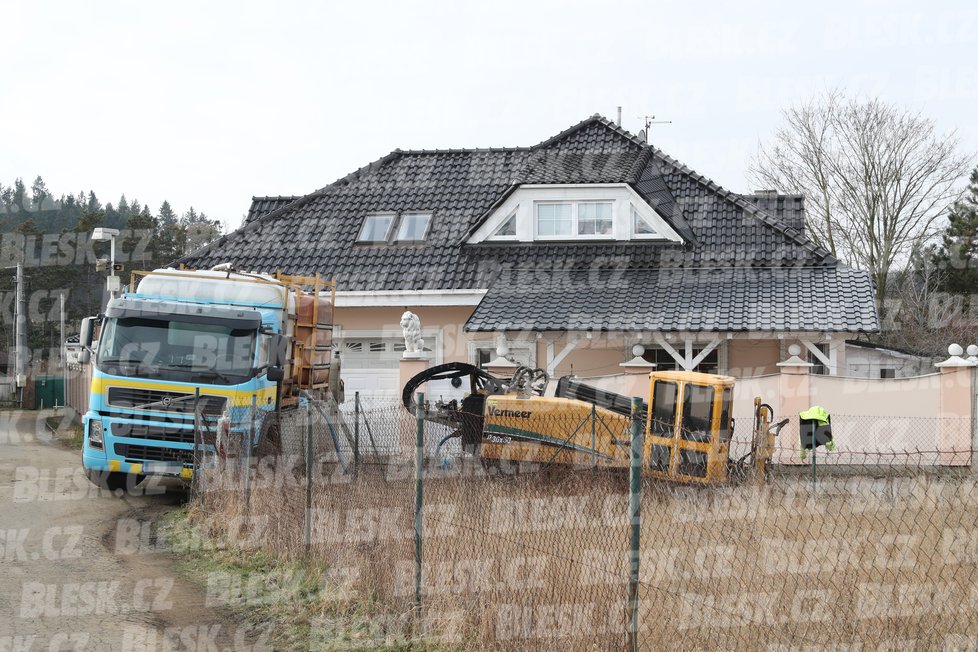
(176, 350)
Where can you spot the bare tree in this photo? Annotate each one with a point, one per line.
(875, 177)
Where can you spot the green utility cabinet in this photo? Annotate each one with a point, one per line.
(48, 391)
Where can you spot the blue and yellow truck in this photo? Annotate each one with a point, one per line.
(180, 347)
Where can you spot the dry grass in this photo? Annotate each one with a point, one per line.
(542, 561)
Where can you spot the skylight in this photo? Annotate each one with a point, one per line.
(376, 228)
(413, 227)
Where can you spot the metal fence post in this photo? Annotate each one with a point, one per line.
(814, 457)
(594, 436)
(356, 434)
(247, 451)
(973, 387)
(635, 516)
(418, 498)
(308, 476)
(195, 460)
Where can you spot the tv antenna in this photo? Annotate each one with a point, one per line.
(649, 121)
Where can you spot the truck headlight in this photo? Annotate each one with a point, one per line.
(95, 433)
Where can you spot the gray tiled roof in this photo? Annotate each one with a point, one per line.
(317, 232)
(790, 209)
(741, 299)
(264, 205)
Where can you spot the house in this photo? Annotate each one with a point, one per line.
(567, 253)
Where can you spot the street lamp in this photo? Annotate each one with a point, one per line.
(103, 234)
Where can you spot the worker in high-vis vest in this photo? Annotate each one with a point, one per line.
(815, 427)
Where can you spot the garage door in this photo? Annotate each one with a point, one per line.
(371, 366)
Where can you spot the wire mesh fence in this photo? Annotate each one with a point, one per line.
(878, 548)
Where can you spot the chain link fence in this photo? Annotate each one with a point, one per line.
(878, 547)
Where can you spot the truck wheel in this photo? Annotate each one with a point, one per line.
(113, 480)
(270, 443)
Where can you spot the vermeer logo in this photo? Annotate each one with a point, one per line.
(518, 414)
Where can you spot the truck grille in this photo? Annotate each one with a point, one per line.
(147, 431)
(136, 398)
(135, 453)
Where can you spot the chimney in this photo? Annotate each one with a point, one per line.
(619, 116)
(765, 193)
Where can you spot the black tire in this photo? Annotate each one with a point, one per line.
(270, 442)
(114, 480)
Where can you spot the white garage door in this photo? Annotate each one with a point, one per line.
(371, 366)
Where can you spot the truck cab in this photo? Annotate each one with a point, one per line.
(198, 346)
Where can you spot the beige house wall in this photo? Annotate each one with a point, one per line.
(748, 358)
(599, 356)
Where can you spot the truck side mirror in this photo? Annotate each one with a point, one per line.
(278, 350)
(87, 332)
(84, 356)
(275, 374)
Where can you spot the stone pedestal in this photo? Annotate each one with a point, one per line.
(411, 366)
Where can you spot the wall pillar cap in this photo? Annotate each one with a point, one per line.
(794, 362)
(955, 360)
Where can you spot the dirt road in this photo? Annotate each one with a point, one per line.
(80, 568)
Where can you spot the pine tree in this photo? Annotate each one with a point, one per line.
(39, 192)
(166, 215)
(168, 234)
(93, 205)
(957, 256)
(139, 224)
(19, 196)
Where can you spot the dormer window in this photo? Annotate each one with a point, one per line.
(575, 212)
(413, 227)
(506, 230)
(376, 228)
(570, 220)
(555, 220)
(594, 218)
(642, 226)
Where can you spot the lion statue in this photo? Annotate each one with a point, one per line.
(411, 326)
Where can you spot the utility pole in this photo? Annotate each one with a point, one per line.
(64, 355)
(20, 337)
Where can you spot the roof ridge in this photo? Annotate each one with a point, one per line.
(753, 209)
(463, 150)
(275, 197)
(594, 118)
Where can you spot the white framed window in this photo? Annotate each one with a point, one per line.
(376, 228)
(555, 219)
(506, 230)
(595, 219)
(413, 227)
(641, 226)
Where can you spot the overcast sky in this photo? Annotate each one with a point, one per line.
(209, 103)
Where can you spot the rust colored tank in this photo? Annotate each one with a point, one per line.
(312, 341)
